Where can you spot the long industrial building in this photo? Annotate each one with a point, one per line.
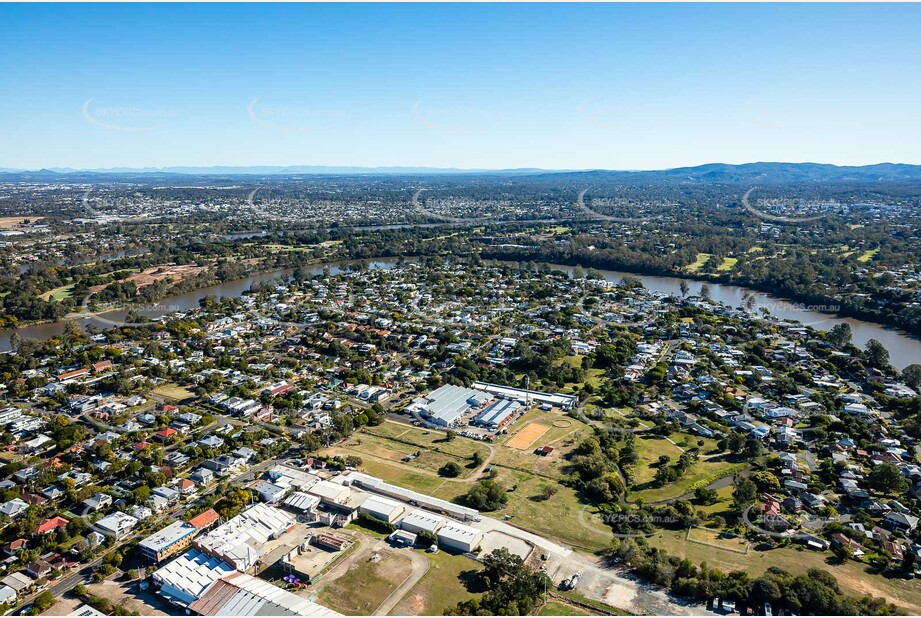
(446, 405)
(376, 485)
(207, 586)
(497, 414)
(565, 402)
(459, 537)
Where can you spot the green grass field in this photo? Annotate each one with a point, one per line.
(173, 391)
(701, 471)
(459, 447)
(702, 259)
(429, 459)
(555, 608)
(59, 294)
(366, 584)
(866, 256)
(440, 588)
(727, 264)
(852, 576)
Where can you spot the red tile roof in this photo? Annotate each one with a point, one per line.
(204, 519)
(49, 525)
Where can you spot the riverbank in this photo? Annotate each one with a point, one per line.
(903, 348)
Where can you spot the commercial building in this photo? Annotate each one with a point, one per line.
(168, 541)
(331, 493)
(382, 508)
(186, 578)
(565, 402)
(422, 521)
(376, 485)
(497, 414)
(459, 537)
(446, 405)
(239, 594)
(301, 502)
(240, 542)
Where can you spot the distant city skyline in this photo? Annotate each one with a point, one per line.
(623, 87)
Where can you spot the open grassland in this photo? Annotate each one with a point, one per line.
(424, 438)
(866, 256)
(852, 576)
(14, 223)
(728, 264)
(559, 517)
(442, 587)
(721, 506)
(702, 258)
(428, 459)
(720, 539)
(396, 472)
(58, 294)
(366, 584)
(525, 504)
(701, 472)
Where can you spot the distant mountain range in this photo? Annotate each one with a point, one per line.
(750, 173)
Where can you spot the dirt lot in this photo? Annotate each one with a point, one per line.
(119, 593)
(527, 436)
(14, 223)
(494, 539)
(365, 580)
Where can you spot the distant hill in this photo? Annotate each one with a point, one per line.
(747, 173)
(753, 173)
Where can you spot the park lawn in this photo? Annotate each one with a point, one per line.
(555, 608)
(866, 256)
(723, 504)
(852, 576)
(648, 451)
(702, 259)
(366, 584)
(173, 391)
(388, 449)
(571, 360)
(59, 294)
(728, 264)
(702, 471)
(440, 588)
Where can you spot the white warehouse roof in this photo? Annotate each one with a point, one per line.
(187, 577)
(459, 534)
(330, 492)
(421, 520)
(384, 506)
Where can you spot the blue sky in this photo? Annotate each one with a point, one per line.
(473, 86)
